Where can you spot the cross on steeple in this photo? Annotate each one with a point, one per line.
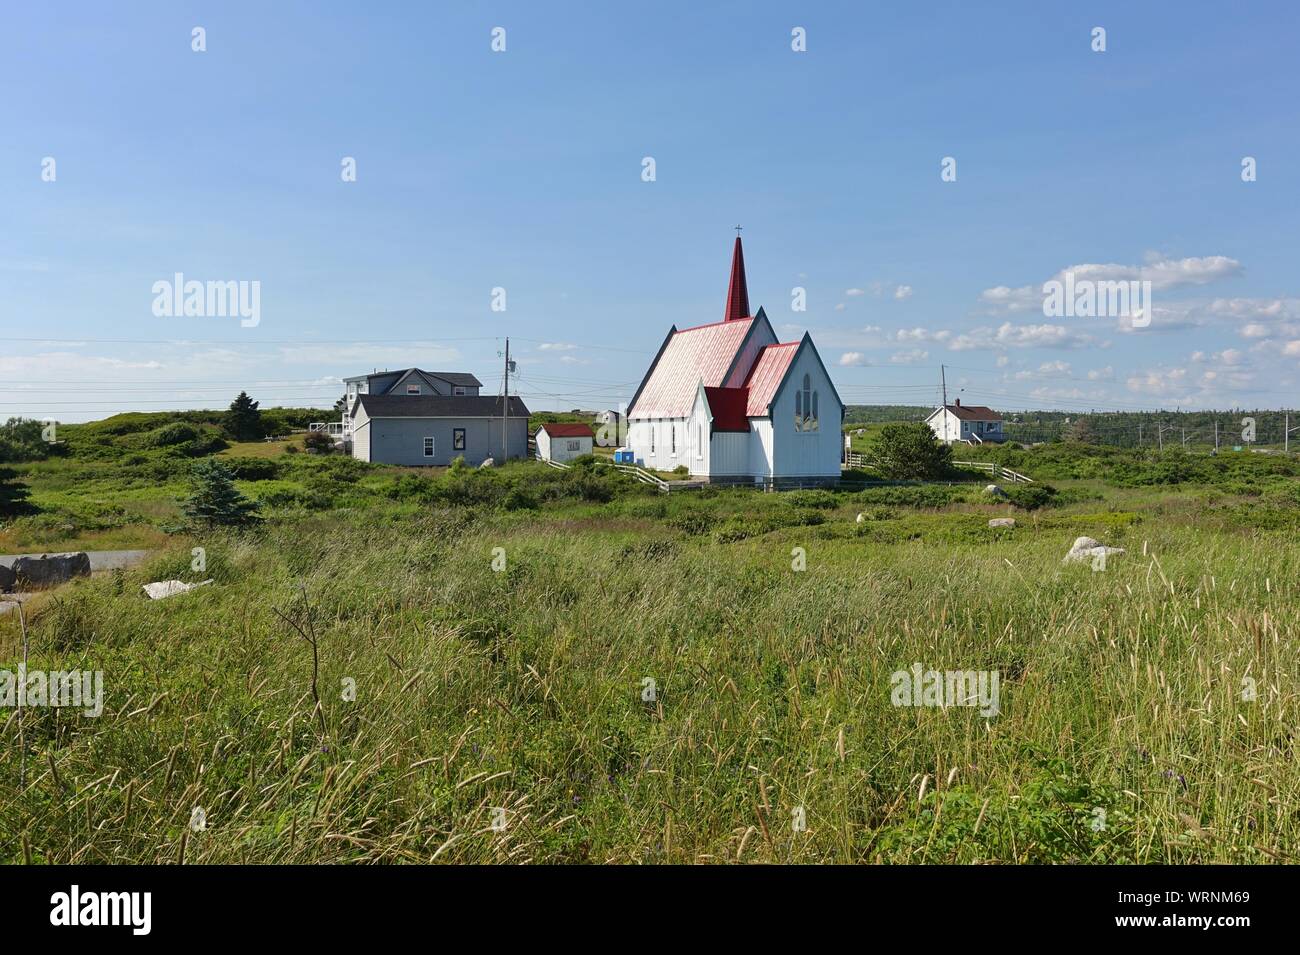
(737, 232)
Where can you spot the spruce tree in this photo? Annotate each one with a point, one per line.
(243, 420)
(216, 500)
(13, 494)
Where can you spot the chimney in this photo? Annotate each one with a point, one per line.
(957, 402)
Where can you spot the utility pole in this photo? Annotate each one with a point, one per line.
(1216, 434)
(505, 410)
(1139, 434)
(1286, 430)
(943, 381)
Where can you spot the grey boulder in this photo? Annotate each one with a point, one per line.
(50, 569)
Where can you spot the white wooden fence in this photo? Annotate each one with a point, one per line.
(997, 470)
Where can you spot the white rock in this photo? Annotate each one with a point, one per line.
(169, 588)
(487, 463)
(861, 518)
(995, 491)
(1003, 522)
(1086, 548)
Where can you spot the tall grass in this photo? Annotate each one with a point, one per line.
(1122, 734)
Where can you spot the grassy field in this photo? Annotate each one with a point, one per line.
(485, 643)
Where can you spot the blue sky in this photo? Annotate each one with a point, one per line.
(523, 170)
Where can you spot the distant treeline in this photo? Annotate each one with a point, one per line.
(1125, 429)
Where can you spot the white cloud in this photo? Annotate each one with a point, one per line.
(902, 292)
(840, 307)
(851, 359)
(919, 334)
(911, 356)
(1003, 298)
(1047, 369)
(1163, 274)
(1007, 335)
(556, 346)
(854, 292)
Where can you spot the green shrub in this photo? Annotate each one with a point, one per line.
(1030, 497)
(252, 469)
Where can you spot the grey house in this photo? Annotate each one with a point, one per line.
(430, 430)
(411, 382)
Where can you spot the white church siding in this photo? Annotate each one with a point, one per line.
(730, 454)
(807, 454)
(760, 448)
(652, 441)
(697, 437)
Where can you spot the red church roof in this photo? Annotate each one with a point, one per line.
(690, 356)
(766, 376)
(728, 406)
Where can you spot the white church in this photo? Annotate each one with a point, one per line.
(731, 403)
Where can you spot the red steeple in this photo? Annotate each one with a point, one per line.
(737, 293)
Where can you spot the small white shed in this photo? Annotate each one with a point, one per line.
(564, 441)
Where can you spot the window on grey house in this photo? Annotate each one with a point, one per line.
(458, 439)
(428, 447)
(412, 389)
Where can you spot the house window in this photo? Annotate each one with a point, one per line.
(672, 433)
(575, 445)
(651, 426)
(458, 390)
(458, 439)
(412, 389)
(428, 447)
(699, 440)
